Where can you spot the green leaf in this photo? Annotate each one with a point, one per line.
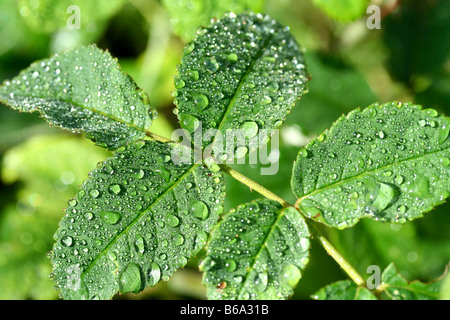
(388, 163)
(445, 287)
(48, 170)
(343, 10)
(344, 290)
(51, 15)
(83, 90)
(187, 15)
(395, 287)
(258, 251)
(244, 72)
(139, 217)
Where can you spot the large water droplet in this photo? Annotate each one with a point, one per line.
(230, 265)
(385, 196)
(444, 131)
(189, 122)
(291, 275)
(199, 209)
(250, 129)
(261, 281)
(67, 241)
(154, 274)
(115, 188)
(172, 220)
(110, 217)
(139, 243)
(211, 64)
(201, 101)
(130, 279)
(94, 193)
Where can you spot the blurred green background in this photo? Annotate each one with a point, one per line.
(351, 66)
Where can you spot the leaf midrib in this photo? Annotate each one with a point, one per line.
(140, 215)
(241, 83)
(46, 99)
(329, 186)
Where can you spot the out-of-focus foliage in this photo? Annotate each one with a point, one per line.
(349, 64)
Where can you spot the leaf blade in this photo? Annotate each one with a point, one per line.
(362, 166)
(139, 222)
(344, 290)
(244, 73)
(244, 259)
(83, 90)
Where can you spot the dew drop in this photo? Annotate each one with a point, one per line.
(110, 217)
(386, 195)
(261, 281)
(67, 241)
(232, 57)
(139, 243)
(94, 193)
(211, 64)
(179, 83)
(154, 274)
(178, 240)
(265, 100)
(189, 122)
(291, 275)
(115, 188)
(201, 101)
(130, 279)
(172, 220)
(199, 209)
(230, 265)
(250, 129)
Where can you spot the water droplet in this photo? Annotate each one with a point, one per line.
(291, 275)
(115, 188)
(422, 123)
(303, 153)
(211, 64)
(193, 74)
(110, 217)
(189, 122)
(178, 240)
(35, 74)
(199, 209)
(445, 161)
(266, 100)
(94, 193)
(67, 241)
(139, 242)
(250, 129)
(232, 57)
(172, 220)
(272, 86)
(386, 195)
(130, 279)
(230, 265)
(261, 281)
(241, 152)
(73, 202)
(154, 274)
(201, 101)
(89, 215)
(179, 83)
(381, 134)
(140, 174)
(200, 240)
(444, 131)
(398, 179)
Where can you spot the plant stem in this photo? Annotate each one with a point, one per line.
(253, 185)
(157, 137)
(332, 251)
(329, 248)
